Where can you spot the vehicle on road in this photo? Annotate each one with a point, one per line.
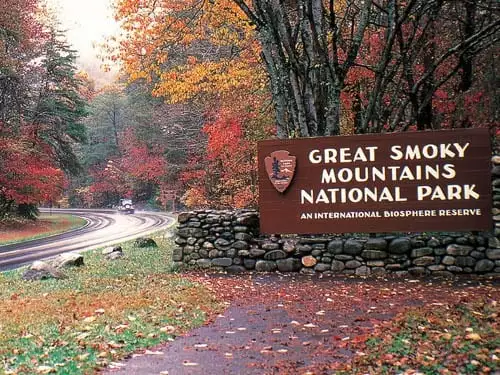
(126, 206)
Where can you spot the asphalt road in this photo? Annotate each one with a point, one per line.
(103, 228)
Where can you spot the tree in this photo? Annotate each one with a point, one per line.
(60, 108)
(311, 47)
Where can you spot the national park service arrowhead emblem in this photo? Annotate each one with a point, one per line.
(280, 168)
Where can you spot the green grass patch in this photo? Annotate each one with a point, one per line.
(100, 313)
(46, 225)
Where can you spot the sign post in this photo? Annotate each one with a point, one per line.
(409, 182)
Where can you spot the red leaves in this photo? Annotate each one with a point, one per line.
(28, 173)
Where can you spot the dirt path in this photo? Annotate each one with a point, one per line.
(279, 324)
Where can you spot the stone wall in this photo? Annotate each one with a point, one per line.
(229, 240)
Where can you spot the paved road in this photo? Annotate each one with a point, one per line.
(103, 228)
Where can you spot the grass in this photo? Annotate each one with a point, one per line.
(16, 231)
(454, 339)
(100, 313)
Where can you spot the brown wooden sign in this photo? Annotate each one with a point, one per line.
(411, 182)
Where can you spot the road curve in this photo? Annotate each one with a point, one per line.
(103, 228)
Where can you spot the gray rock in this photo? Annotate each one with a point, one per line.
(448, 260)
(288, 265)
(204, 263)
(115, 255)
(352, 264)
(418, 271)
(249, 264)
(270, 246)
(462, 241)
(444, 274)
(493, 254)
(208, 245)
(477, 254)
(373, 254)
(454, 249)
(71, 259)
(240, 228)
(352, 247)
(344, 257)
(337, 266)
(436, 267)
(377, 271)
(439, 251)
(326, 260)
(423, 261)
(335, 247)
(275, 255)
(400, 246)
(235, 269)
(455, 269)
(322, 267)
(376, 244)
(317, 253)
(465, 261)
(484, 265)
(41, 270)
(494, 243)
(222, 262)
(243, 253)
(222, 244)
(240, 236)
(185, 216)
(363, 271)
(111, 249)
(394, 267)
(421, 251)
(433, 242)
(256, 252)
(304, 248)
(144, 242)
(265, 266)
(231, 253)
(240, 245)
(375, 263)
(190, 232)
(213, 254)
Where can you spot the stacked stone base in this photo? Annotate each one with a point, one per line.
(228, 240)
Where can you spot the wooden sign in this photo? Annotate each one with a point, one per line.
(411, 182)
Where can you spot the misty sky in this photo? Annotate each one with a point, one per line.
(87, 22)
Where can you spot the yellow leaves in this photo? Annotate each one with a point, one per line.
(473, 337)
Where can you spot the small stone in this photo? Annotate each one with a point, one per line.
(144, 242)
(376, 244)
(275, 255)
(373, 254)
(400, 246)
(204, 263)
(322, 267)
(240, 245)
(493, 254)
(289, 246)
(249, 264)
(235, 269)
(420, 252)
(241, 236)
(222, 262)
(256, 252)
(270, 246)
(309, 261)
(363, 271)
(265, 266)
(484, 265)
(114, 255)
(352, 247)
(424, 261)
(352, 264)
(335, 246)
(304, 248)
(465, 261)
(448, 260)
(337, 266)
(454, 249)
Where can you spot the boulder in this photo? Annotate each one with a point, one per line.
(41, 270)
(484, 265)
(400, 245)
(143, 242)
(71, 259)
(115, 255)
(353, 247)
(265, 266)
(112, 249)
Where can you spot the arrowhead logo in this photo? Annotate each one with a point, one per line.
(280, 168)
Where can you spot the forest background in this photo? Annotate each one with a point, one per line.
(203, 80)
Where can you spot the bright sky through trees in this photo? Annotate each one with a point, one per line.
(87, 23)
